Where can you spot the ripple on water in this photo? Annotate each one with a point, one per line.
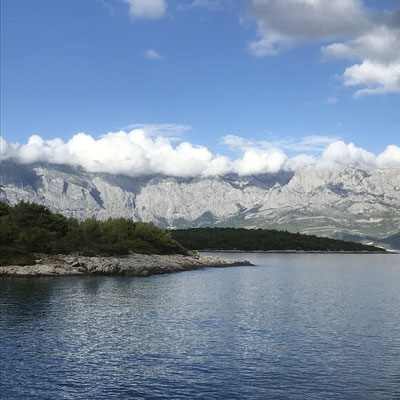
(295, 327)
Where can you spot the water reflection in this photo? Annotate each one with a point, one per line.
(24, 299)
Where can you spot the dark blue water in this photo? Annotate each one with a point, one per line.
(294, 327)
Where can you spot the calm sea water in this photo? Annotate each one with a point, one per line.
(293, 327)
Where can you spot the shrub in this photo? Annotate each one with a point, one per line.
(28, 228)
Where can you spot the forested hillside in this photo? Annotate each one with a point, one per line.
(260, 239)
(29, 228)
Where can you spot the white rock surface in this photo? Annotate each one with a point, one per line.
(324, 202)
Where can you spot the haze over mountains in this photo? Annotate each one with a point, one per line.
(345, 203)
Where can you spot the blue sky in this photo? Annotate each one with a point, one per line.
(226, 69)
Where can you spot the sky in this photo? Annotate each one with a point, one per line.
(201, 87)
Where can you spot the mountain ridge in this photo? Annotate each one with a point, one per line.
(334, 202)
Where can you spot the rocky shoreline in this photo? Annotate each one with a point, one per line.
(139, 265)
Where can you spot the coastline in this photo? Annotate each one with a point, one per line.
(299, 251)
(137, 265)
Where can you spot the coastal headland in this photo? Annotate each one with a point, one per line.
(139, 265)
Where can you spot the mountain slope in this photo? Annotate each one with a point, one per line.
(323, 202)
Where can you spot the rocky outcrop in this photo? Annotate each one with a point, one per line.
(139, 265)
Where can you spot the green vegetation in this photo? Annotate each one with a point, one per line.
(260, 239)
(29, 228)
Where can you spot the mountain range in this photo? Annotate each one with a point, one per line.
(344, 203)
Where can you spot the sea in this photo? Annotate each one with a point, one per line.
(293, 326)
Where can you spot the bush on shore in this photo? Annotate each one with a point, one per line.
(29, 228)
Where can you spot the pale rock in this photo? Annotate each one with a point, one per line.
(328, 202)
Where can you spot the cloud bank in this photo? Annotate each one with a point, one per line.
(357, 33)
(142, 152)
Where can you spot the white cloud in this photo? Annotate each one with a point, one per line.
(380, 44)
(147, 9)
(152, 54)
(257, 157)
(377, 78)
(166, 130)
(371, 37)
(342, 154)
(258, 161)
(331, 100)
(390, 158)
(237, 143)
(211, 5)
(142, 152)
(307, 143)
(219, 165)
(286, 22)
(133, 153)
(5, 149)
(299, 162)
(379, 71)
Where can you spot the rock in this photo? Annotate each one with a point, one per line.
(140, 265)
(367, 203)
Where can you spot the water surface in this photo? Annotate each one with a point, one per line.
(296, 326)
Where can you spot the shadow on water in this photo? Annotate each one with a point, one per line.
(26, 298)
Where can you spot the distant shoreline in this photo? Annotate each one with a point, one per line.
(300, 251)
(266, 240)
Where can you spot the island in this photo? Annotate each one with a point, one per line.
(36, 241)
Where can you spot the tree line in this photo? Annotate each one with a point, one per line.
(28, 228)
(260, 239)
